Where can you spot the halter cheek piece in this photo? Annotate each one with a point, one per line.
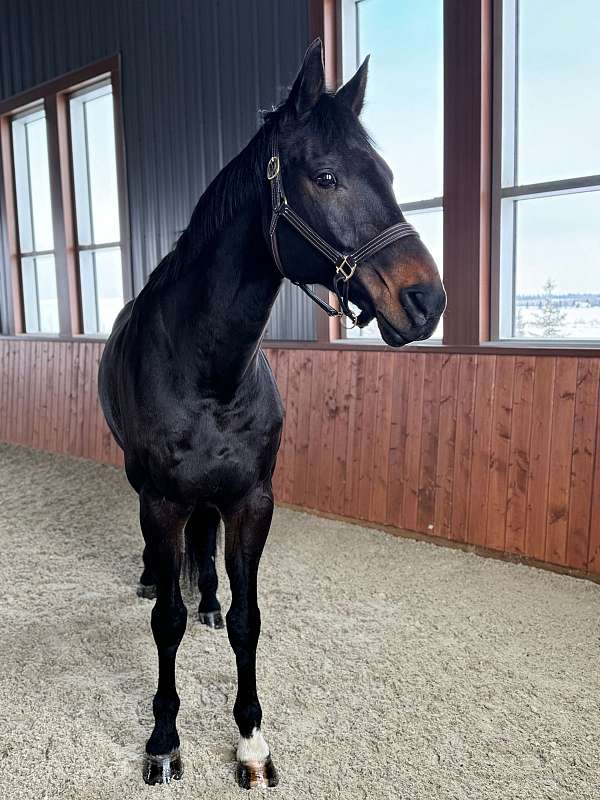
(345, 264)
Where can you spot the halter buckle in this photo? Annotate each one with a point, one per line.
(273, 168)
(345, 269)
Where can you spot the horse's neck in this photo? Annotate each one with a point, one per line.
(220, 304)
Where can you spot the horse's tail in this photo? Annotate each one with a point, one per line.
(203, 536)
(190, 568)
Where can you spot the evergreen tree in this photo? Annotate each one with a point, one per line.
(549, 316)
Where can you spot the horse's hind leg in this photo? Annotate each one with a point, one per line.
(147, 583)
(201, 538)
(245, 536)
(163, 523)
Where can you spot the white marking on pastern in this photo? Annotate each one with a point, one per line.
(254, 748)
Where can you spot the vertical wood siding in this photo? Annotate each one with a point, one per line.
(499, 452)
(48, 398)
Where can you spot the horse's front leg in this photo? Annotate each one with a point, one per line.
(163, 523)
(245, 536)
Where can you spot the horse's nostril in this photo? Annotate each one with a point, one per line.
(420, 303)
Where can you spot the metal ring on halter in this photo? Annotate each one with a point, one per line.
(353, 319)
(273, 167)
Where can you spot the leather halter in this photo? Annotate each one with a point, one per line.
(345, 264)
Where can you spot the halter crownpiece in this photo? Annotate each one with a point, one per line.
(345, 264)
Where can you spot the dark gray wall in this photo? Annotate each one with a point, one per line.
(194, 75)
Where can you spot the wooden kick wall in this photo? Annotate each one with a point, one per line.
(501, 452)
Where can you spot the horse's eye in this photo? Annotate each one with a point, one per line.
(326, 180)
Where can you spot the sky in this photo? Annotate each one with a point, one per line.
(558, 124)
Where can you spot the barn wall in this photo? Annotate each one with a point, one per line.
(194, 75)
(501, 452)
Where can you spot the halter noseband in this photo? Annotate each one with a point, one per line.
(345, 263)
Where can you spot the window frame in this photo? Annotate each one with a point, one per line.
(471, 148)
(505, 198)
(54, 97)
(77, 105)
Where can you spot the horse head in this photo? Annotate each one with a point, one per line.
(331, 180)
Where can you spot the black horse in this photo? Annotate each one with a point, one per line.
(189, 395)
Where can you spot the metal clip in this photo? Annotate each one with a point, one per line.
(273, 168)
(345, 269)
(352, 317)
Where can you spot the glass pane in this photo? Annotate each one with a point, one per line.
(21, 164)
(429, 223)
(107, 290)
(80, 176)
(32, 182)
(557, 274)
(558, 90)
(95, 166)
(87, 282)
(47, 294)
(404, 103)
(102, 167)
(41, 206)
(109, 281)
(32, 323)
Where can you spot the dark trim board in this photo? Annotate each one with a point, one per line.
(485, 348)
(490, 452)
(467, 169)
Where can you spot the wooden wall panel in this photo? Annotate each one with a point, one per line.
(48, 398)
(463, 455)
(518, 463)
(582, 469)
(498, 452)
(561, 452)
(446, 447)
(539, 457)
(481, 451)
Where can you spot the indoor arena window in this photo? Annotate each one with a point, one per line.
(546, 195)
(63, 202)
(97, 207)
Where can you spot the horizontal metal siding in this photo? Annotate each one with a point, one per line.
(194, 76)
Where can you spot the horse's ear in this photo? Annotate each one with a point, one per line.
(352, 93)
(310, 81)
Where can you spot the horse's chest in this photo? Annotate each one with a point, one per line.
(223, 462)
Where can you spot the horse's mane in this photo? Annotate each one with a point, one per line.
(237, 183)
(242, 180)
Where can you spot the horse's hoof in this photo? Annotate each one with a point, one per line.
(213, 619)
(256, 774)
(147, 590)
(162, 769)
